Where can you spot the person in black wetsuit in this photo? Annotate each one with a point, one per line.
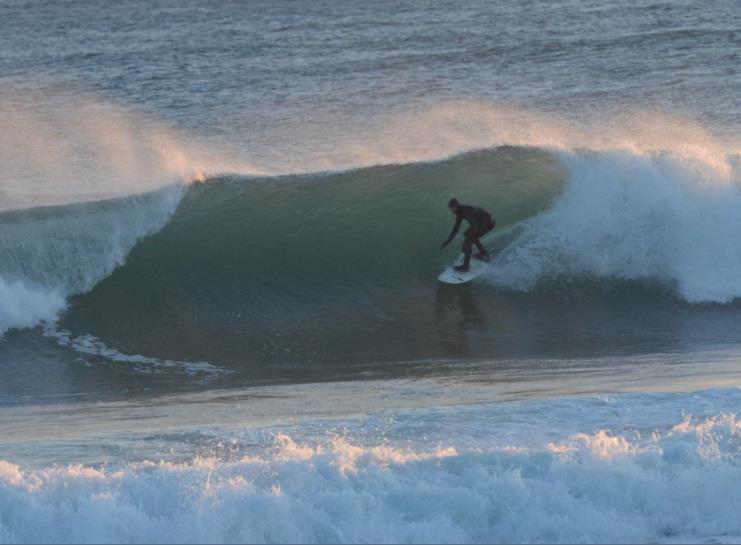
(480, 222)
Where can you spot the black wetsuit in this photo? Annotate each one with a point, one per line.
(480, 222)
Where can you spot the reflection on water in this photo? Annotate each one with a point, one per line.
(458, 303)
(456, 313)
(433, 329)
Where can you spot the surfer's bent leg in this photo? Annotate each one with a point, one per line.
(469, 241)
(483, 254)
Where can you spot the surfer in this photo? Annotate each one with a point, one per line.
(480, 222)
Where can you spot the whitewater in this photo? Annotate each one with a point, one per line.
(219, 245)
(446, 474)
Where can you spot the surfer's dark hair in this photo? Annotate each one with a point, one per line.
(453, 202)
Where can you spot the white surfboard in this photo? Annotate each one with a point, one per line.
(451, 276)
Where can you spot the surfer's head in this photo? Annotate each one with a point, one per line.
(453, 204)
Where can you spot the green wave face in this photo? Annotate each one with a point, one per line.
(306, 269)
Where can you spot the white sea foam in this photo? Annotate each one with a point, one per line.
(93, 346)
(676, 483)
(671, 217)
(21, 306)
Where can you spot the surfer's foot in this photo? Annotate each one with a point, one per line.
(482, 256)
(461, 268)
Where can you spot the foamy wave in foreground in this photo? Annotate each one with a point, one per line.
(681, 484)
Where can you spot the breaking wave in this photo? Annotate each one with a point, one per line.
(672, 485)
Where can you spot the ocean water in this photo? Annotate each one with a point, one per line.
(220, 319)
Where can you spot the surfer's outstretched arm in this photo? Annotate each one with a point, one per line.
(454, 232)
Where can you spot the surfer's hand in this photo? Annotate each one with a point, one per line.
(443, 245)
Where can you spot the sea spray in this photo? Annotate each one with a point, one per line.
(441, 129)
(62, 144)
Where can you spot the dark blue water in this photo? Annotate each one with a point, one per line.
(247, 73)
